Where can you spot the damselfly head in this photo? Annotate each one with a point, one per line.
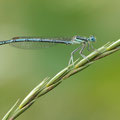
(92, 38)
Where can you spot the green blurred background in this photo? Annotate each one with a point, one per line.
(92, 94)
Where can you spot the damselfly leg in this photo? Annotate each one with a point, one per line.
(81, 51)
(82, 47)
(72, 54)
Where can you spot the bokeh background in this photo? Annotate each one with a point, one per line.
(93, 94)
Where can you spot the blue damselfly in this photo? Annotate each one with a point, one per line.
(29, 42)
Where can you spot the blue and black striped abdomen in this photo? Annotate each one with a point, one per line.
(34, 43)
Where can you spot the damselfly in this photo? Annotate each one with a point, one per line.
(29, 42)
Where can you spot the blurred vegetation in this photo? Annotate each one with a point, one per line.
(92, 94)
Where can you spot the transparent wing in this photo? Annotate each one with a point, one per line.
(31, 45)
